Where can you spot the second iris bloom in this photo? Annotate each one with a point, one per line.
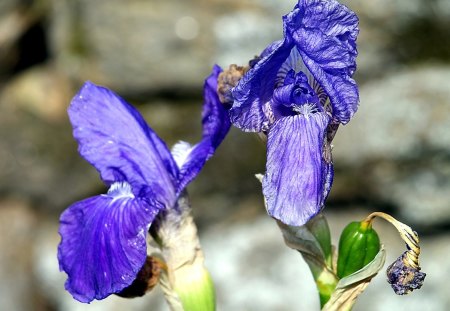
(297, 92)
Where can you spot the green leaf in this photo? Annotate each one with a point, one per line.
(313, 238)
(313, 241)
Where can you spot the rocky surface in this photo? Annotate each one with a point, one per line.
(141, 46)
(17, 224)
(399, 139)
(394, 155)
(36, 146)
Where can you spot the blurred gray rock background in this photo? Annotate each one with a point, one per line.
(394, 156)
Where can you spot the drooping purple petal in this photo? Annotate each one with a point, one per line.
(194, 160)
(215, 119)
(103, 243)
(294, 183)
(255, 88)
(324, 32)
(114, 137)
(342, 91)
(216, 124)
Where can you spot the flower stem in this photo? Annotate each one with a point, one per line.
(188, 285)
(325, 279)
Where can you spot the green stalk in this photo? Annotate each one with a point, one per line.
(313, 241)
(324, 278)
(195, 288)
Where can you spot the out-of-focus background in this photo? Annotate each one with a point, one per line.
(394, 156)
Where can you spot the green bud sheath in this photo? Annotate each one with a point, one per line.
(195, 288)
(358, 245)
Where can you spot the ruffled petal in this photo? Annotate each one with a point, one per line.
(333, 19)
(116, 140)
(255, 88)
(325, 34)
(216, 124)
(295, 182)
(341, 90)
(103, 243)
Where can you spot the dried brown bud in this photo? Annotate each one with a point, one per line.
(403, 276)
(146, 279)
(227, 80)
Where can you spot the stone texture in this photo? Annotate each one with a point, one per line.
(401, 115)
(17, 224)
(396, 34)
(145, 46)
(21, 35)
(398, 146)
(38, 154)
(395, 153)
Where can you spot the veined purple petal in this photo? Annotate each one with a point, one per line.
(194, 160)
(341, 90)
(324, 32)
(114, 137)
(255, 88)
(103, 243)
(216, 124)
(215, 120)
(331, 54)
(270, 49)
(333, 19)
(294, 183)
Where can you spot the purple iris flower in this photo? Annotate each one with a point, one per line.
(298, 91)
(103, 243)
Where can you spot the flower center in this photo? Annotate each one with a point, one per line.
(305, 109)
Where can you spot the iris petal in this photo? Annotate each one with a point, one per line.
(115, 138)
(341, 90)
(103, 243)
(215, 119)
(325, 34)
(333, 19)
(216, 124)
(295, 183)
(255, 88)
